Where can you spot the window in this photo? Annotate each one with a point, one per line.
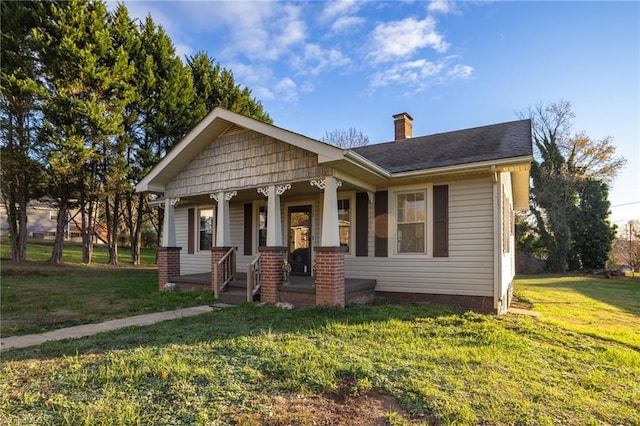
(344, 223)
(53, 215)
(412, 215)
(205, 229)
(262, 226)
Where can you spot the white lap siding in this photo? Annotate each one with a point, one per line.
(468, 270)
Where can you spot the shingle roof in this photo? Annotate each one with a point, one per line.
(479, 144)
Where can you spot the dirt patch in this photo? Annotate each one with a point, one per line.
(341, 406)
(370, 409)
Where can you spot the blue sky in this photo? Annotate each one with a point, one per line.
(319, 66)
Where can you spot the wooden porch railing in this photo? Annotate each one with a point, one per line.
(224, 271)
(253, 278)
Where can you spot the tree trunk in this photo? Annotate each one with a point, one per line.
(111, 215)
(61, 223)
(88, 230)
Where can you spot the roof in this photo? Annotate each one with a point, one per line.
(479, 144)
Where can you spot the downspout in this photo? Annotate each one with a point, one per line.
(497, 240)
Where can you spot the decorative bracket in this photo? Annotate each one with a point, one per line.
(282, 188)
(227, 196)
(174, 201)
(279, 190)
(321, 183)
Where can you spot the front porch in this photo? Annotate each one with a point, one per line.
(300, 292)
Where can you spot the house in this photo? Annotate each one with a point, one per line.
(42, 218)
(424, 219)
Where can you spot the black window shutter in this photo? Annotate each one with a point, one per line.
(362, 224)
(381, 223)
(191, 229)
(441, 221)
(248, 229)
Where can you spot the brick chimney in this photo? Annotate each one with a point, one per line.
(403, 126)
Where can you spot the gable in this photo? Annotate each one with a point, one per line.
(244, 159)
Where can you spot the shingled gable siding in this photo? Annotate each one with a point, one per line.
(468, 270)
(244, 160)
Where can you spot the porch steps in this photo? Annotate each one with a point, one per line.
(235, 293)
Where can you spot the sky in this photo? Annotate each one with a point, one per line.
(319, 66)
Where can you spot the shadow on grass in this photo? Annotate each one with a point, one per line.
(231, 323)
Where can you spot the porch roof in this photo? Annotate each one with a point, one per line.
(221, 120)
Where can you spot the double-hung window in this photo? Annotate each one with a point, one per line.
(206, 226)
(344, 222)
(412, 222)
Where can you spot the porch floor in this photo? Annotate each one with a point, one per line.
(300, 291)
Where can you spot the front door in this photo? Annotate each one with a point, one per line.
(300, 240)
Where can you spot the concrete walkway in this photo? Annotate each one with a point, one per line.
(91, 329)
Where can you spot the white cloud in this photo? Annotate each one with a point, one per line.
(442, 6)
(343, 23)
(314, 60)
(401, 39)
(337, 8)
(460, 72)
(410, 73)
(286, 90)
(419, 74)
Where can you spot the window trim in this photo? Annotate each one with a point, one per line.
(393, 220)
(351, 196)
(256, 226)
(196, 231)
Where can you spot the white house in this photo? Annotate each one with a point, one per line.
(424, 219)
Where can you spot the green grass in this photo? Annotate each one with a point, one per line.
(253, 365)
(603, 308)
(37, 296)
(40, 251)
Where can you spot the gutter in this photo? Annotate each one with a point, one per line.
(487, 165)
(361, 161)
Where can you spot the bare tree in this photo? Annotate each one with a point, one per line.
(346, 139)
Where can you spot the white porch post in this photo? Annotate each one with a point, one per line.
(223, 229)
(274, 221)
(169, 224)
(330, 226)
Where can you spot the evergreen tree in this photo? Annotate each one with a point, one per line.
(20, 118)
(592, 232)
(216, 86)
(87, 92)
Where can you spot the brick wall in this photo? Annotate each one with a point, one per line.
(168, 264)
(330, 276)
(271, 276)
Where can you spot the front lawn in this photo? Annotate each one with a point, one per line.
(37, 296)
(385, 364)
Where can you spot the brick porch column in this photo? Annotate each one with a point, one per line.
(330, 276)
(271, 275)
(168, 264)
